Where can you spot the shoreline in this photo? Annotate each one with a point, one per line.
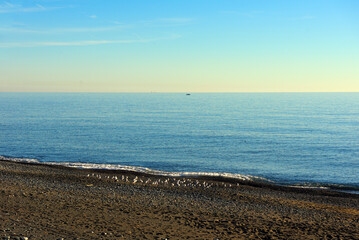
(42, 201)
(220, 176)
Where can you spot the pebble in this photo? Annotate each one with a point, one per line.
(14, 238)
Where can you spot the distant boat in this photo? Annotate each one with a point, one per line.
(188, 94)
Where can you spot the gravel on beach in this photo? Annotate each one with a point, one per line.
(53, 202)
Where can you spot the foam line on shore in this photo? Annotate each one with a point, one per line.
(212, 175)
(139, 169)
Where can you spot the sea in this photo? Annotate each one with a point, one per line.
(307, 140)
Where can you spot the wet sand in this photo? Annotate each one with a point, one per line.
(53, 202)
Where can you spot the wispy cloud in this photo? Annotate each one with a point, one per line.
(116, 26)
(8, 7)
(62, 30)
(82, 43)
(18, 30)
(93, 16)
(256, 14)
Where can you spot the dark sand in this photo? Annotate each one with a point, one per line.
(49, 202)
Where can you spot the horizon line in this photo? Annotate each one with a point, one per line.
(184, 92)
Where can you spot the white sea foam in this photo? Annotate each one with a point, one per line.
(24, 160)
(156, 172)
(140, 169)
(308, 187)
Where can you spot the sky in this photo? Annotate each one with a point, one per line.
(179, 46)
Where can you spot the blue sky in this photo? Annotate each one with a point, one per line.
(179, 46)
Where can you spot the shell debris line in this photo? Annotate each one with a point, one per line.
(161, 181)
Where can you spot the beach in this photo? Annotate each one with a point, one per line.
(55, 202)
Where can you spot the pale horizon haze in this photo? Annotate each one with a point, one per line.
(179, 46)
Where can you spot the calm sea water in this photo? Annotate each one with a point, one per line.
(296, 138)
